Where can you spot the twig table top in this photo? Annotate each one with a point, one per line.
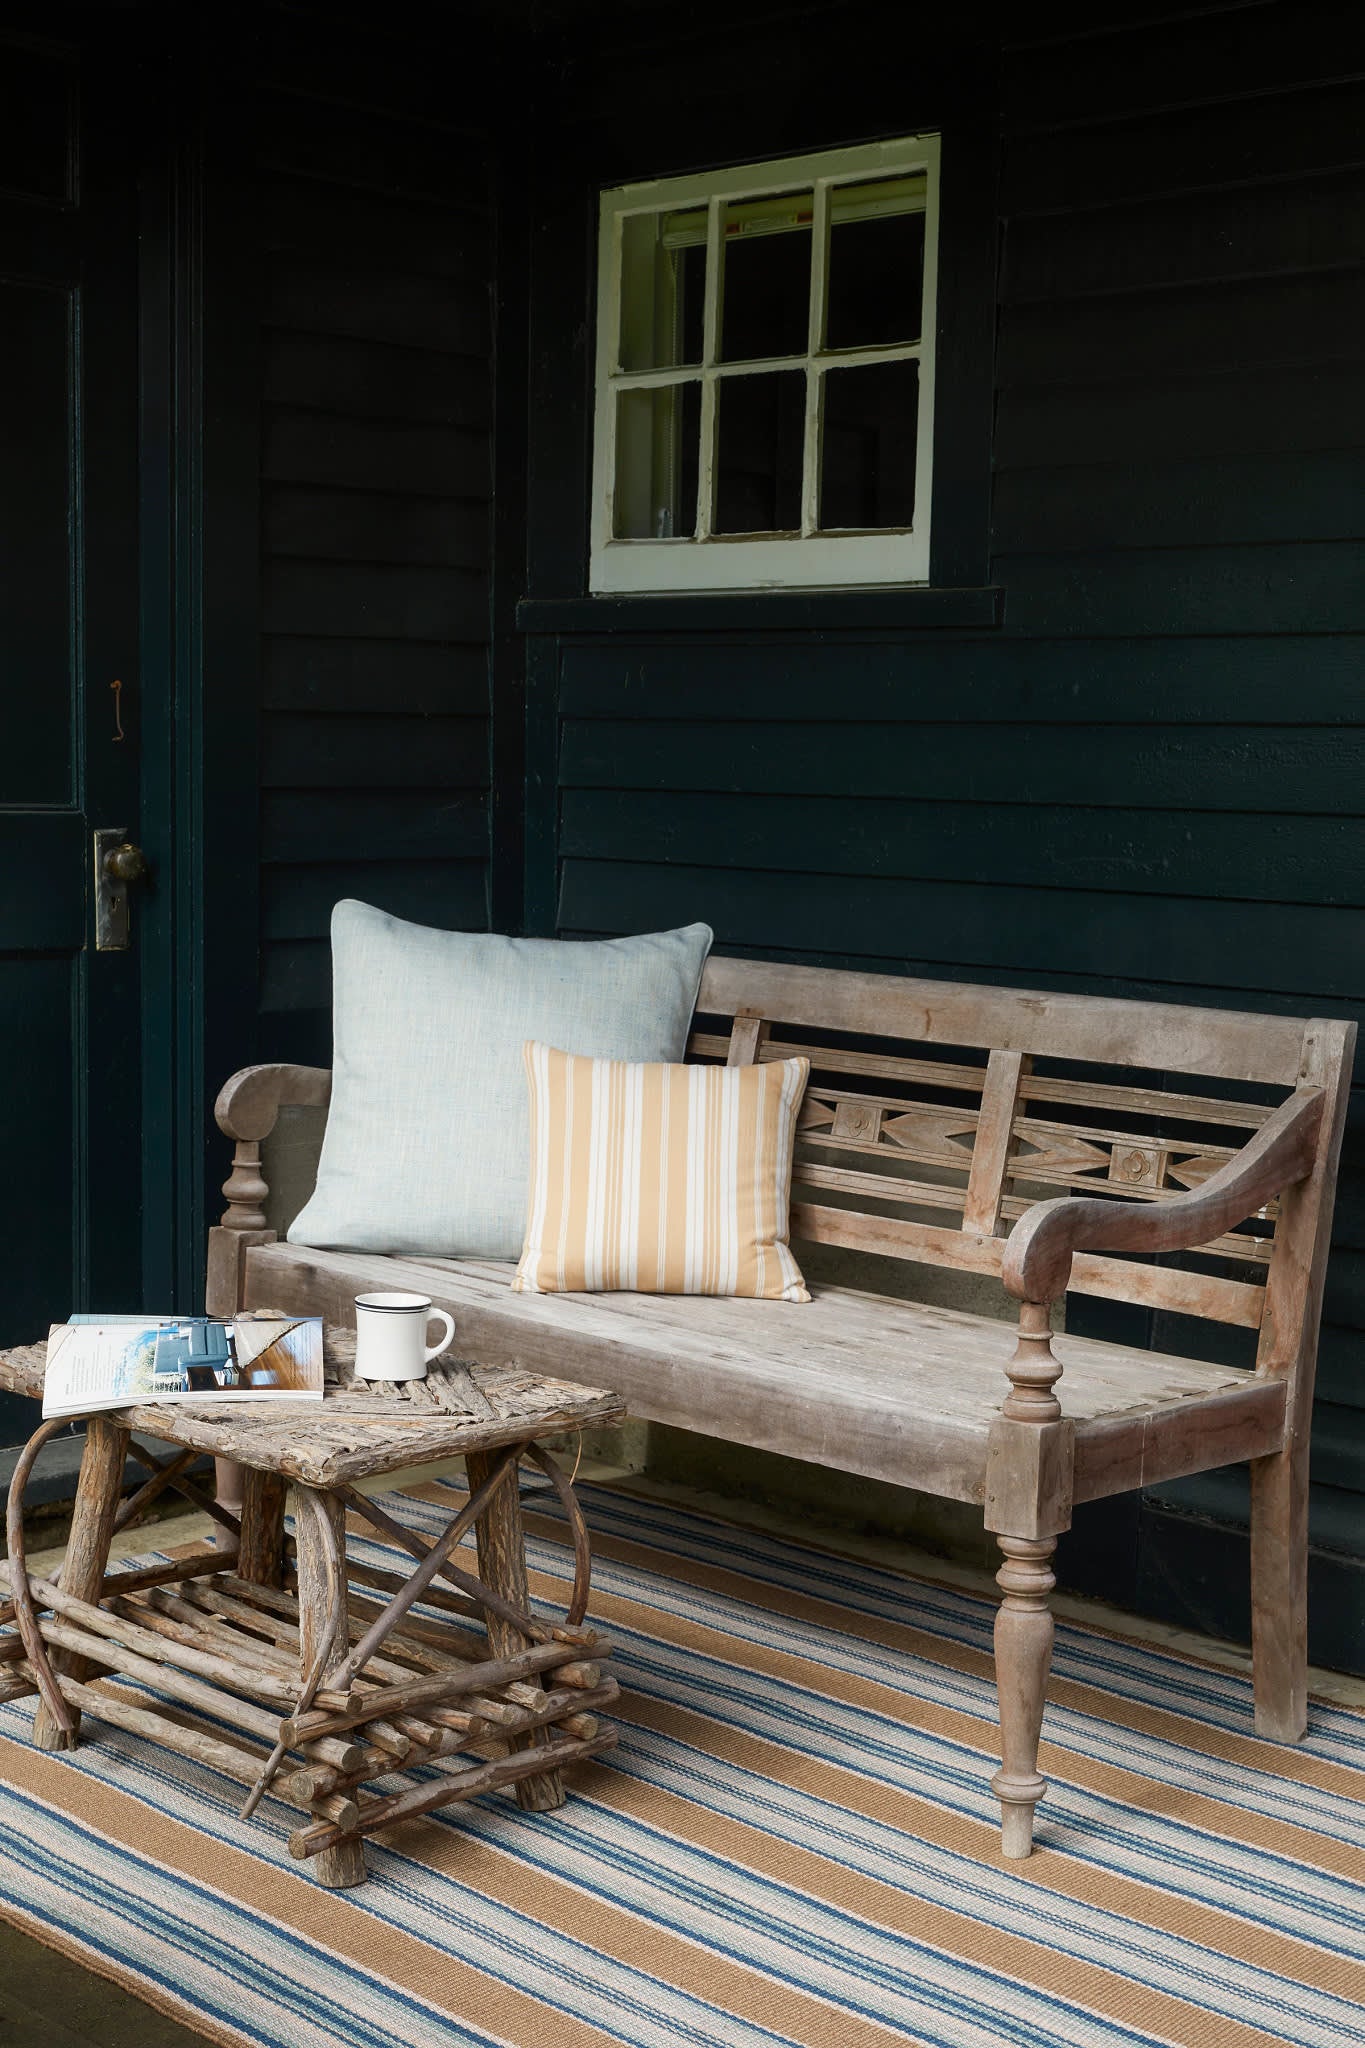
(314, 1675)
(357, 1430)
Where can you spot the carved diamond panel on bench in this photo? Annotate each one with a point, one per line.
(890, 1135)
(1038, 1155)
(909, 1153)
(1138, 1166)
(929, 1134)
(1143, 1168)
(856, 1120)
(870, 1123)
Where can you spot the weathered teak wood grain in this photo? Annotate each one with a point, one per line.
(889, 1389)
(320, 1526)
(1189, 1156)
(1037, 1265)
(995, 1140)
(502, 1564)
(1236, 1044)
(348, 1436)
(1287, 1356)
(87, 1553)
(248, 1107)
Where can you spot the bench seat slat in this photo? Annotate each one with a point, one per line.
(889, 1389)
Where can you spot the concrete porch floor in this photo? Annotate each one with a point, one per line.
(37, 1984)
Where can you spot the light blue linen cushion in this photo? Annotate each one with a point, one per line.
(427, 1147)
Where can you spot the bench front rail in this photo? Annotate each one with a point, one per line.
(1178, 1159)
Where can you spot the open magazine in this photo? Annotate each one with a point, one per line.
(115, 1361)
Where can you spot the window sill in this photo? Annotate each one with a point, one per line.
(767, 611)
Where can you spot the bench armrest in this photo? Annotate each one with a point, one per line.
(1037, 1261)
(246, 1111)
(250, 1102)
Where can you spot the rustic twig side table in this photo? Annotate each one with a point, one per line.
(280, 1662)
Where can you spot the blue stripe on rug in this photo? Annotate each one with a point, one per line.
(570, 1977)
(1150, 1756)
(127, 1908)
(1139, 1671)
(228, 1963)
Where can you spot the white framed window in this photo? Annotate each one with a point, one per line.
(765, 374)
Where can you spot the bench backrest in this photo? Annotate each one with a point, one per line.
(937, 1113)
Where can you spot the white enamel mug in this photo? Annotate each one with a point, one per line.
(391, 1336)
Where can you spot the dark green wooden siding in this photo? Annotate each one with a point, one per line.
(1148, 780)
(1144, 779)
(375, 239)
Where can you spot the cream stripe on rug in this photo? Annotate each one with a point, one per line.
(793, 1844)
(1205, 1807)
(1090, 1699)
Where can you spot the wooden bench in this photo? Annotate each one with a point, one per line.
(1179, 1159)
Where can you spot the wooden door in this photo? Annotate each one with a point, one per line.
(70, 1084)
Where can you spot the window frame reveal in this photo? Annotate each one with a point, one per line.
(811, 557)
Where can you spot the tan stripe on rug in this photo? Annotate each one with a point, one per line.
(1193, 1809)
(1211, 1927)
(1075, 1981)
(1275, 1759)
(465, 1992)
(295, 1901)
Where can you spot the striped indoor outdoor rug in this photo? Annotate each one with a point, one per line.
(793, 1843)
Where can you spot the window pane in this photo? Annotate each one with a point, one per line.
(765, 282)
(876, 263)
(658, 434)
(761, 424)
(868, 443)
(663, 285)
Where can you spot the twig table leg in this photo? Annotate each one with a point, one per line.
(502, 1562)
(87, 1550)
(320, 1533)
(262, 1553)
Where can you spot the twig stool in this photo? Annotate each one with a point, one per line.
(315, 1674)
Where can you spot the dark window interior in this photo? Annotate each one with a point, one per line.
(758, 462)
(868, 477)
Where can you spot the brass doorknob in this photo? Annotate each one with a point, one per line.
(126, 863)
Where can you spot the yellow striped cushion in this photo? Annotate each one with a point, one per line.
(660, 1179)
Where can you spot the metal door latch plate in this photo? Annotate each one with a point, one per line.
(112, 923)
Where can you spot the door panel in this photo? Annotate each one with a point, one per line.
(36, 94)
(38, 507)
(70, 1106)
(39, 1009)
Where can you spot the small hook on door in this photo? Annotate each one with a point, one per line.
(117, 687)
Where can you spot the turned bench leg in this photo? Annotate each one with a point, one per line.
(1279, 1594)
(1030, 1460)
(1023, 1657)
(502, 1567)
(87, 1552)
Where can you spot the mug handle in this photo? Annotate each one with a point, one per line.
(444, 1343)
